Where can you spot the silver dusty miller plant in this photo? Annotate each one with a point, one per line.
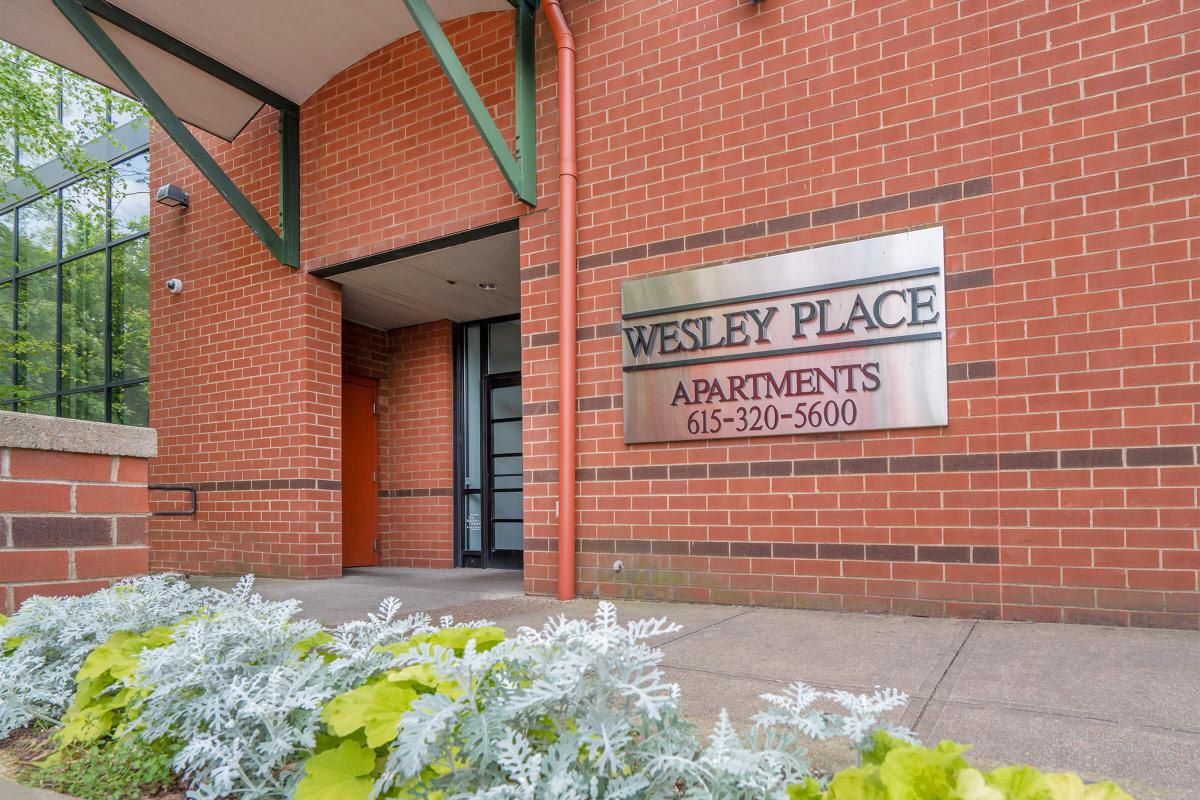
(241, 689)
(51, 636)
(580, 711)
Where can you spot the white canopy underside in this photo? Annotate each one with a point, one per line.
(292, 47)
(441, 284)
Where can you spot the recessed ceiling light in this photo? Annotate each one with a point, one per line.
(488, 286)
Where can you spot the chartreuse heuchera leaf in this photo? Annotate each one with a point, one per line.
(374, 708)
(893, 769)
(920, 773)
(317, 640)
(972, 785)
(1020, 783)
(343, 773)
(371, 713)
(453, 639)
(103, 702)
(1068, 786)
(861, 783)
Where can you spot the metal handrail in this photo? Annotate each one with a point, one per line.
(175, 487)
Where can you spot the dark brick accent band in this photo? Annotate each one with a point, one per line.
(275, 485)
(605, 331)
(61, 531)
(897, 465)
(1090, 459)
(974, 279)
(1046, 459)
(825, 551)
(1159, 457)
(602, 402)
(436, 492)
(793, 222)
(131, 530)
(970, 371)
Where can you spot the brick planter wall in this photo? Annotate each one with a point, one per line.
(73, 505)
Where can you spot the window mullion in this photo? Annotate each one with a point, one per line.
(74, 283)
(108, 338)
(58, 350)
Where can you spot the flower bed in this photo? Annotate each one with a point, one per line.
(153, 684)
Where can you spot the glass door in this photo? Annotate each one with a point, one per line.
(505, 529)
(488, 430)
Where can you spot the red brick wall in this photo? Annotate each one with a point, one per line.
(364, 351)
(75, 522)
(245, 363)
(245, 386)
(389, 156)
(1058, 149)
(414, 367)
(416, 519)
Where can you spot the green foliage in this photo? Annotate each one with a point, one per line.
(59, 339)
(347, 772)
(50, 638)
(362, 722)
(129, 768)
(8, 644)
(31, 90)
(373, 709)
(104, 702)
(234, 695)
(893, 769)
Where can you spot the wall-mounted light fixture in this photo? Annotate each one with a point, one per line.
(171, 195)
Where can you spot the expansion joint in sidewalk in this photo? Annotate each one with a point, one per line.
(960, 645)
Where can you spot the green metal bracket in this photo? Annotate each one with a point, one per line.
(520, 171)
(289, 187)
(285, 246)
(524, 87)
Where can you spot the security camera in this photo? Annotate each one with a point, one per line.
(174, 285)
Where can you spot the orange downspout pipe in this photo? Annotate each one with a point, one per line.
(568, 178)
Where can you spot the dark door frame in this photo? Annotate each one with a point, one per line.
(492, 557)
(470, 558)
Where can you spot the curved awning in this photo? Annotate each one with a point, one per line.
(291, 47)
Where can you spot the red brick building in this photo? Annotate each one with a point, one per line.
(1055, 145)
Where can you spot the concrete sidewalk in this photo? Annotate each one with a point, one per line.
(1105, 702)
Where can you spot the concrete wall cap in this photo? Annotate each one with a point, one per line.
(37, 432)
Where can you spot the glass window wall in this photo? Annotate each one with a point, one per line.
(75, 299)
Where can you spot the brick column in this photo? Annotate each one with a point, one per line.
(417, 456)
(245, 387)
(73, 505)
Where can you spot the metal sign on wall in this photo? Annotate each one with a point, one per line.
(847, 337)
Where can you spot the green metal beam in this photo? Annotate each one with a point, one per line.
(524, 86)
(181, 50)
(518, 171)
(289, 186)
(287, 252)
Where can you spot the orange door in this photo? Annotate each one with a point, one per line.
(359, 463)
